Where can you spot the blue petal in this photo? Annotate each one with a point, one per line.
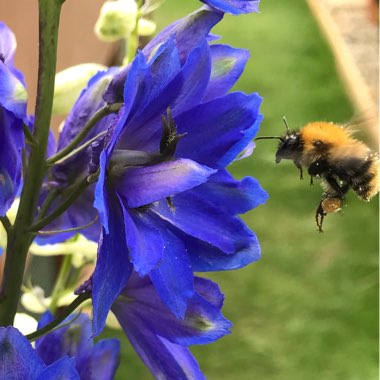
(185, 89)
(206, 258)
(18, 360)
(234, 7)
(79, 214)
(210, 291)
(241, 145)
(12, 93)
(137, 75)
(173, 278)
(72, 339)
(188, 32)
(166, 52)
(113, 267)
(89, 101)
(7, 44)
(11, 144)
(201, 219)
(101, 202)
(144, 240)
(227, 65)
(203, 322)
(63, 369)
(8, 49)
(165, 360)
(144, 185)
(219, 129)
(101, 362)
(230, 195)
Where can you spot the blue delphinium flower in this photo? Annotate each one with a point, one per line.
(75, 168)
(162, 340)
(13, 100)
(167, 205)
(234, 7)
(74, 339)
(18, 360)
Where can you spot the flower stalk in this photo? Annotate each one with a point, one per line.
(100, 114)
(20, 238)
(60, 283)
(60, 318)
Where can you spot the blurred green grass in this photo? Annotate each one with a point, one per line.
(309, 308)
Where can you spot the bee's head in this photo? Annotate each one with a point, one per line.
(289, 147)
(290, 144)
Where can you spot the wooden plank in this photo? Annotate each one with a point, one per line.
(356, 86)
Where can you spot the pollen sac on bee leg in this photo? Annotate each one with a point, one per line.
(330, 205)
(327, 206)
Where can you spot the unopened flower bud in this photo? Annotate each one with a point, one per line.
(34, 300)
(117, 19)
(146, 27)
(69, 83)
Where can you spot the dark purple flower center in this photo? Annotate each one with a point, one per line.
(122, 159)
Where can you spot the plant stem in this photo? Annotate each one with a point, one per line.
(61, 317)
(132, 42)
(20, 238)
(74, 192)
(6, 224)
(102, 112)
(60, 283)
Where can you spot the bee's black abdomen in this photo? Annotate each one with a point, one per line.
(358, 174)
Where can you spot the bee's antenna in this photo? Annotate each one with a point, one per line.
(286, 124)
(269, 137)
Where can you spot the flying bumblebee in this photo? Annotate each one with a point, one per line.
(330, 153)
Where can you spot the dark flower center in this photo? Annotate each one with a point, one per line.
(122, 159)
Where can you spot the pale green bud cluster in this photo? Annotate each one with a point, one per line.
(82, 250)
(117, 20)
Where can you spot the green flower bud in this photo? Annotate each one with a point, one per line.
(146, 27)
(83, 251)
(117, 19)
(69, 83)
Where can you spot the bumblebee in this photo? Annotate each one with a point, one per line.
(331, 153)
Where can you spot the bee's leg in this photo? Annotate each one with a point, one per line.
(299, 168)
(319, 216)
(339, 190)
(311, 181)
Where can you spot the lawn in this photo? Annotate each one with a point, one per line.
(309, 308)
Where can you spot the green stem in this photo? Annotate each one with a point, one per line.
(132, 42)
(6, 224)
(52, 194)
(61, 317)
(29, 136)
(60, 282)
(74, 192)
(20, 237)
(102, 112)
